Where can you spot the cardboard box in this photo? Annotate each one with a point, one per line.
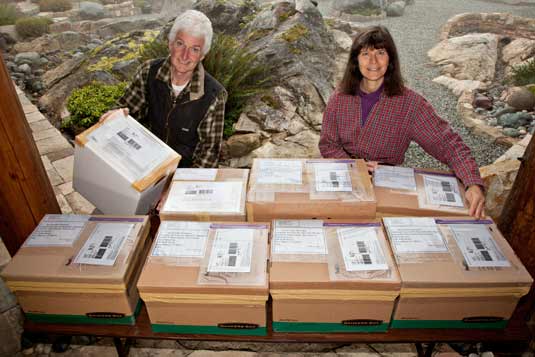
(186, 290)
(308, 189)
(54, 285)
(121, 167)
(315, 292)
(394, 201)
(206, 195)
(452, 289)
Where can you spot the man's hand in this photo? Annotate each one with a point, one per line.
(372, 165)
(476, 199)
(109, 113)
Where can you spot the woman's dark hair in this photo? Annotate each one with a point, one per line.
(376, 37)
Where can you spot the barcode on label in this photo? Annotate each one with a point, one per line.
(233, 248)
(106, 241)
(122, 135)
(199, 192)
(486, 255)
(232, 261)
(100, 253)
(446, 186)
(134, 144)
(332, 175)
(477, 243)
(450, 197)
(366, 259)
(362, 247)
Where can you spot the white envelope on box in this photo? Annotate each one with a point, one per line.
(121, 167)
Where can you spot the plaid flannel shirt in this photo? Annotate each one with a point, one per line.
(391, 126)
(210, 129)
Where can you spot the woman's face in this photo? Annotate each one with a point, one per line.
(373, 63)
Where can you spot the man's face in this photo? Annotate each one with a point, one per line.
(186, 52)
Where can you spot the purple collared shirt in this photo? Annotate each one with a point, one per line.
(368, 100)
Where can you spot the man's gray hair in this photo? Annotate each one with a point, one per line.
(194, 23)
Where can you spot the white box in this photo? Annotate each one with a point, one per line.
(121, 167)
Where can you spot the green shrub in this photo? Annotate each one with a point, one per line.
(153, 49)
(54, 5)
(524, 73)
(8, 14)
(28, 27)
(239, 72)
(87, 104)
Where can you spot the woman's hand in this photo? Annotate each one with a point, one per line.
(109, 113)
(372, 165)
(476, 199)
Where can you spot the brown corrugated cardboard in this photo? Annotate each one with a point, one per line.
(271, 195)
(443, 290)
(184, 295)
(52, 287)
(400, 202)
(318, 293)
(220, 197)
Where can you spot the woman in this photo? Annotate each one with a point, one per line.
(373, 116)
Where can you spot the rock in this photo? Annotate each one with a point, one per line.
(240, 145)
(116, 26)
(43, 44)
(482, 101)
(469, 57)
(246, 125)
(126, 69)
(11, 322)
(514, 120)
(91, 10)
(395, 9)
(504, 111)
(31, 58)
(304, 144)
(6, 41)
(520, 98)
(226, 15)
(70, 40)
(511, 132)
(493, 122)
(458, 86)
(498, 178)
(57, 74)
(516, 151)
(24, 68)
(517, 51)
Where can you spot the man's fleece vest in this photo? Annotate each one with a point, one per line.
(176, 123)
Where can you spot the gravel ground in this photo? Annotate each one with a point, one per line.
(415, 33)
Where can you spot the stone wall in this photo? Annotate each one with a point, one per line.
(499, 23)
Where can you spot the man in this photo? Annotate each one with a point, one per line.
(177, 99)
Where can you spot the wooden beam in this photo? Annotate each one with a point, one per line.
(25, 191)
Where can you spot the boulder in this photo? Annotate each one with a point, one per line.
(65, 69)
(511, 132)
(469, 57)
(31, 58)
(241, 145)
(498, 178)
(70, 40)
(458, 86)
(514, 120)
(520, 98)
(395, 9)
(226, 16)
(24, 68)
(92, 10)
(482, 101)
(11, 322)
(126, 69)
(517, 51)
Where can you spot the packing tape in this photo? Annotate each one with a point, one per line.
(339, 295)
(205, 299)
(465, 292)
(81, 139)
(66, 287)
(156, 174)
